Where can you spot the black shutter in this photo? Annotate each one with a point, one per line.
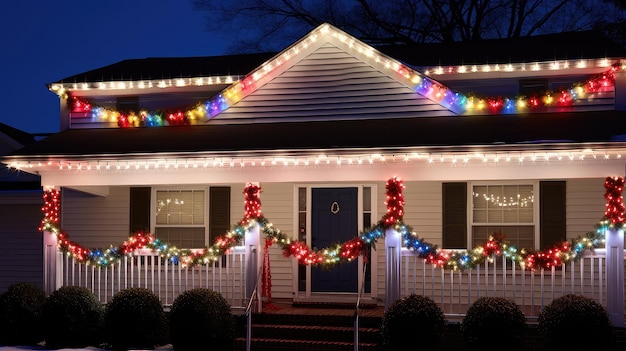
(139, 209)
(552, 220)
(454, 215)
(219, 211)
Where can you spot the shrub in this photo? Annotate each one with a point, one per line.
(494, 320)
(411, 316)
(20, 314)
(575, 322)
(201, 319)
(134, 319)
(73, 318)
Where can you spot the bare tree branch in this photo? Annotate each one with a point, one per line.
(266, 25)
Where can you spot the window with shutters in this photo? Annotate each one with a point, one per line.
(507, 209)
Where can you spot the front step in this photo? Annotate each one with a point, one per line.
(315, 332)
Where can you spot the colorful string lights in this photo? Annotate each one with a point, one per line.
(350, 250)
(462, 104)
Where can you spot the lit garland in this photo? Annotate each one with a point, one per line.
(614, 201)
(50, 209)
(350, 250)
(455, 101)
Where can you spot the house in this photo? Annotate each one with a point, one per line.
(20, 213)
(514, 138)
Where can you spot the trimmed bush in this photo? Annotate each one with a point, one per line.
(494, 321)
(201, 319)
(20, 314)
(134, 319)
(409, 317)
(576, 322)
(73, 318)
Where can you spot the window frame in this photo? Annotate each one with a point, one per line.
(153, 205)
(536, 224)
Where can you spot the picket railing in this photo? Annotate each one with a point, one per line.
(455, 291)
(147, 269)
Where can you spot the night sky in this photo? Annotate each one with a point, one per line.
(44, 41)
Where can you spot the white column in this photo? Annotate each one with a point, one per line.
(615, 276)
(393, 247)
(254, 262)
(52, 269)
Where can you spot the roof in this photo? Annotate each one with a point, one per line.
(19, 136)
(172, 67)
(388, 134)
(539, 48)
(569, 45)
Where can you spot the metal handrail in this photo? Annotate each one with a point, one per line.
(248, 310)
(357, 309)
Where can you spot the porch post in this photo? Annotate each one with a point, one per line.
(393, 247)
(254, 262)
(615, 276)
(52, 272)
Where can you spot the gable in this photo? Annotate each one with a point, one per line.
(330, 83)
(330, 63)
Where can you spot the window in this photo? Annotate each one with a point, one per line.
(127, 104)
(180, 217)
(533, 87)
(508, 209)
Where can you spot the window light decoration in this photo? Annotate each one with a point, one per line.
(455, 260)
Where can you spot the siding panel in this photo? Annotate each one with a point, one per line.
(585, 205)
(332, 84)
(22, 250)
(277, 206)
(94, 221)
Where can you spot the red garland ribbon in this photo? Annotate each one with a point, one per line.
(266, 281)
(394, 202)
(252, 205)
(614, 200)
(50, 209)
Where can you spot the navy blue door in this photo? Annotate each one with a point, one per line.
(334, 220)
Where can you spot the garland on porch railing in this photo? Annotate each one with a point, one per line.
(496, 246)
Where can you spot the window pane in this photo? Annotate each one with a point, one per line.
(187, 238)
(479, 196)
(301, 199)
(367, 199)
(495, 216)
(175, 207)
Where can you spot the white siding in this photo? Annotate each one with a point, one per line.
(96, 221)
(277, 206)
(22, 243)
(585, 205)
(328, 84)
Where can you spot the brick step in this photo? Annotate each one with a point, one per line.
(316, 332)
(261, 344)
(316, 319)
(311, 332)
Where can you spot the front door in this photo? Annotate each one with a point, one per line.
(334, 220)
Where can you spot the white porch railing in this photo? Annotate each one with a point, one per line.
(454, 291)
(146, 269)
